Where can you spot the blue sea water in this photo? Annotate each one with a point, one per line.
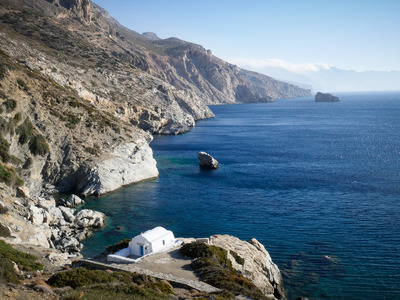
(317, 183)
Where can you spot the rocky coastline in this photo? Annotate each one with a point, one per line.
(80, 98)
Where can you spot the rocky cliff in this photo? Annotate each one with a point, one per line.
(257, 265)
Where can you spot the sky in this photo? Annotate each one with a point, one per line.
(350, 35)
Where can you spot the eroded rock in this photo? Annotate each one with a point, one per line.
(257, 267)
(206, 161)
(89, 219)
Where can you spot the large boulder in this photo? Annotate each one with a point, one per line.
(73, 200)
(36, 215)
(326, 97)
(206, 161)
(87, 218)
(257, 265)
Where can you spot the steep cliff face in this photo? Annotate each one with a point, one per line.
(77, 8)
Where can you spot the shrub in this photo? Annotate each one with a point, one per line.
(25, 131)
(7, 272)
(22, 84)
(3, 94)
(3, 209)
(93, 150)
(17, 117)
(4, 147)
(24, 260)
(213, 267)
(120, 292)
(10, 104)
(202, 250)
(237, 257)
(4, 231)
(80, 277)
(28, 163)
(97, 284)
(124, 243)
(38, 145)
(5, 175)
(3, 71)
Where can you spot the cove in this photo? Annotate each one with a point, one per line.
(316, 183)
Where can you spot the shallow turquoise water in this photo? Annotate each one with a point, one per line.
(316, 183)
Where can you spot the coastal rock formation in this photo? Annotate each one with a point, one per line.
(326, 97)
(128, 163)
(206, 161)
(73, 200)
(257, 267)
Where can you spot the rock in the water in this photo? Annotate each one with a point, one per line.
(207, 161)
(89, 219)
(322, 97)
(73, 200)
(257, 266)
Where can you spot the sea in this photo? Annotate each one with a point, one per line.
(317, 183)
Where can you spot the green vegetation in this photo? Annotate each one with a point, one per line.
(22, 84)
(24, 261)
(25, 131)
(237, 257)
(17, 117)
(9, 176)
(7, 272)
(124, 243)
(37, 143)
(4, 147)
(4, 231)
(3, 71)
(3, 209)
(39, 146)
(93, 150)
(212, 265)
(97, 284)
(28, 163)
(5, 175)
(10, 104)
(2, 93)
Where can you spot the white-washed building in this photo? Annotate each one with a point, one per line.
(153, 240)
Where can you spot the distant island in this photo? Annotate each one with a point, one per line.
(326, 97)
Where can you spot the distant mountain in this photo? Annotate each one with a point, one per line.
(331, 79)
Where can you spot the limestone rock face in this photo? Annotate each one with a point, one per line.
(206, 161)
(322, 97)
(77, 8)
(128, 163)
(258, 266)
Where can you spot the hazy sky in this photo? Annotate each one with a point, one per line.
(352, 34)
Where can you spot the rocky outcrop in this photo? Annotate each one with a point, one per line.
(77, 8)
(128, 163)
(326, 97)
(72, 200)
(206, 161)
(258, 266)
